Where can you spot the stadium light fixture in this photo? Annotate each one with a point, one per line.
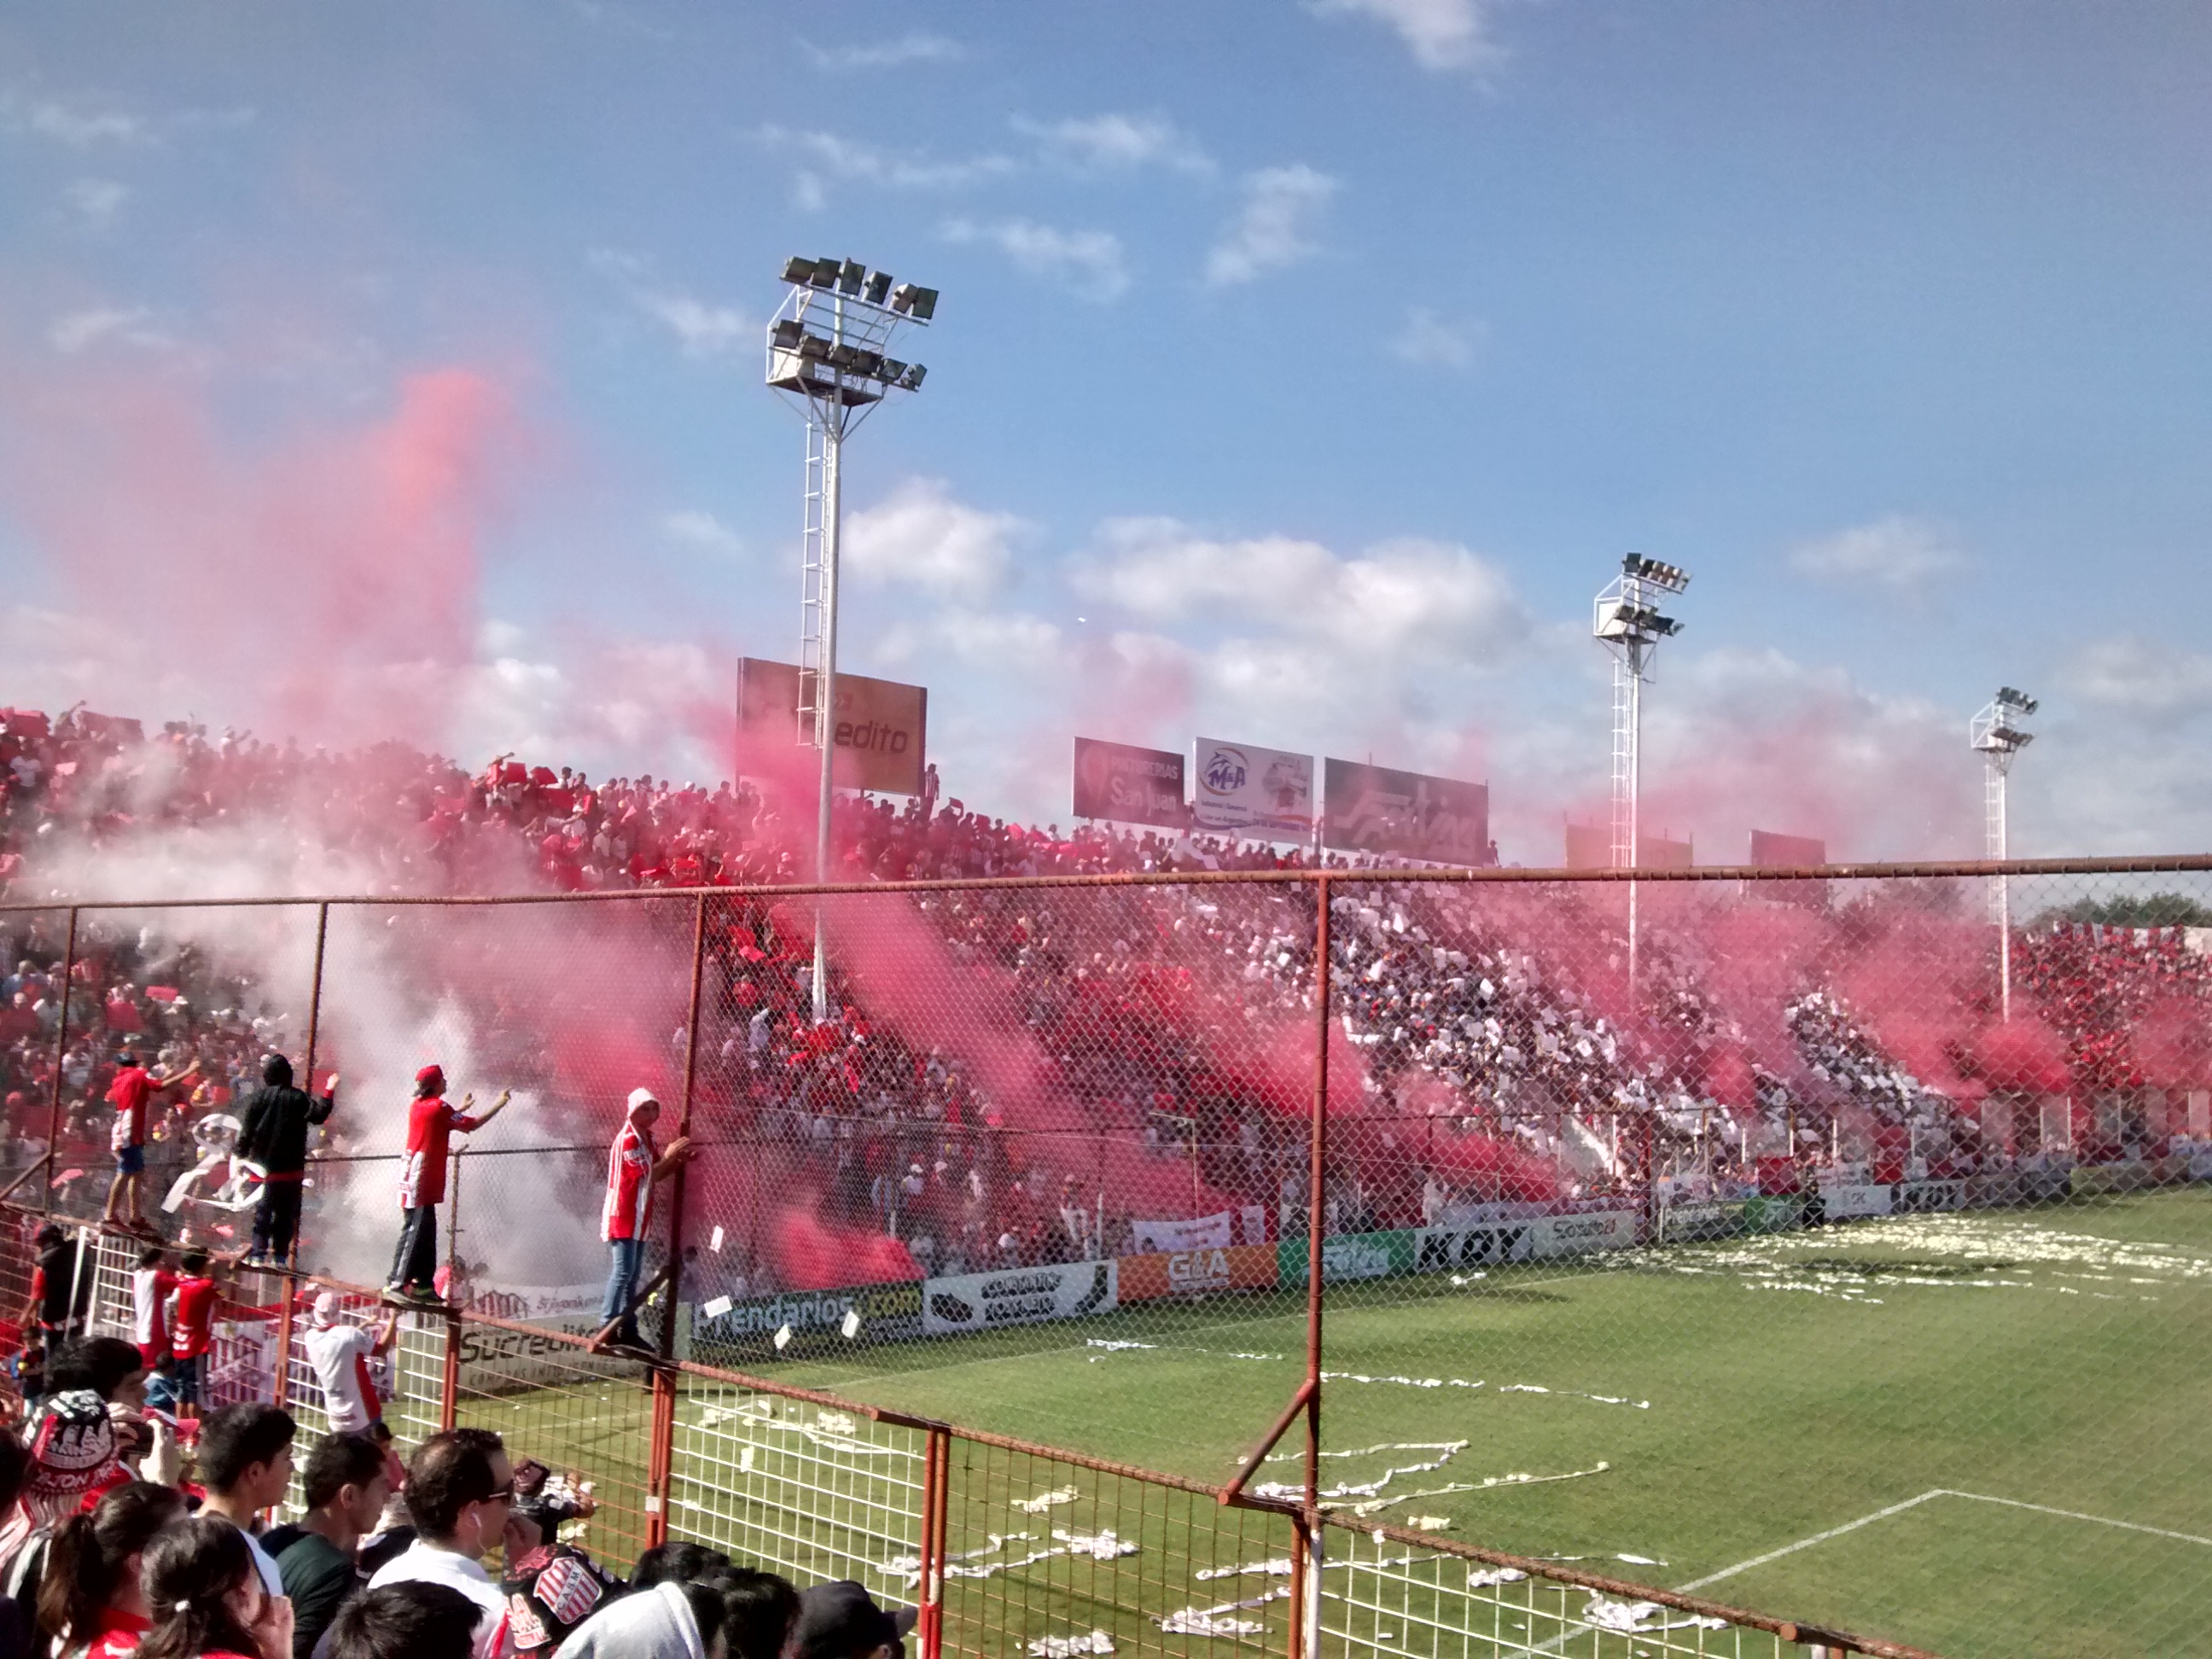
(828, 353)
(1630, 626)
(1999, 731)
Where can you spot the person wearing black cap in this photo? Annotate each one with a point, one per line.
(272, 1132)
(841, 1621)
(550, 1587)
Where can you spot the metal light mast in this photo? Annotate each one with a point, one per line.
(1627, 622)
(2000, 732)
(828, 349)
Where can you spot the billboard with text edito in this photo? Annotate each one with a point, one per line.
(881, 726)
(1128, 785)
(1374, 809)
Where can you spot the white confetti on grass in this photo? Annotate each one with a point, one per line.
(1045, 1500)
(1067, 1647)
(1491, 1578)
(1635, 1617)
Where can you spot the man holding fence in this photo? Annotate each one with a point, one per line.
(632, 1169)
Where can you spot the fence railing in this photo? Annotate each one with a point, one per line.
(1050, 1103)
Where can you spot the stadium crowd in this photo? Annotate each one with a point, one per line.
(1487, 1073)
(128, 1528)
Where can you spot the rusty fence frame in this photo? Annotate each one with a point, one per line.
(1311, 1523)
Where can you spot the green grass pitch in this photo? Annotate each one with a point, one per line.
(2028, 1395)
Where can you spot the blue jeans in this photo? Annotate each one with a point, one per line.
(626, 1255)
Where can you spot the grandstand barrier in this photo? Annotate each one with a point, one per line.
(1547, 1131)
(1004, 1546)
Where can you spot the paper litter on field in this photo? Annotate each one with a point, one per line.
(783, 1337)
(1276, 1567)
(1045, 1500)
(714, 1243)
(717, 1308)
(1098, 1545)
(852, 1325)
(1429, 1522)
(1635, 1617)
(1489, 1577)
(1067, 1647)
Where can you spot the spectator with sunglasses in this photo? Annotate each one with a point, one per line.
(460, 1489)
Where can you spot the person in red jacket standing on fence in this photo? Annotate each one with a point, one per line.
(633, 1167)
(431, 1123)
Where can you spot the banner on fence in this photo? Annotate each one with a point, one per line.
(494, 1360)
(1374, 809)
(877, 1313)
(1197, 1273)
(1844, 1203)
(881, 726)
(1019, 1296)
(1350, 1255)
(1534, 1239)
(1265, 792)
(1207, 1232)
(1129, 785)
(1917, 1197)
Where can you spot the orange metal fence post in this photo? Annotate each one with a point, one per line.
(936, 1490)
(449, 1379)
(1305, 1596)
(660, 1454)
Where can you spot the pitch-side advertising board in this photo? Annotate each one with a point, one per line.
(1017, 1296)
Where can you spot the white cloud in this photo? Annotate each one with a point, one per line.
(1117, 141)
(846, 158)
(920, 535)
(702, 328)
(1907, 555)
(1396, 599)
(76, 330)
(1274, 228)
(95, 201)
(887, 54)
(1089, 261)
(78, 125)
(1430, 339)
(2141, 676)
(1442, 35)
(695, 527)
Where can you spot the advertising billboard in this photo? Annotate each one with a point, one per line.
(1267, 793)
(1771, 851)
(1373, 809)
(1128, 785)
(881, 726)
(1019, 1296)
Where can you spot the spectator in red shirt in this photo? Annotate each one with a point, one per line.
(633, 1167)
(192, 1332)
(431, 1125)
(134, 1086)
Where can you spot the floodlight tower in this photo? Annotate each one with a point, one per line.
(828, 352)
(1627, 622)
(2000, 732)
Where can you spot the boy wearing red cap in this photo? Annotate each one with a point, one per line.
(431, 1125)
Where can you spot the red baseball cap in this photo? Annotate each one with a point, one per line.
(430, 1074)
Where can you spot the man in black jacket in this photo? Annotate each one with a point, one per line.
(272, 1132)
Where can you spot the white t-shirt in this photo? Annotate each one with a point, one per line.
(149, 1329)
(339, 1354)
(425, 1564)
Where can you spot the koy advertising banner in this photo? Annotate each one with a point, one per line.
(1264, 792)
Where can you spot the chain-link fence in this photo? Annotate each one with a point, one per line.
(1804, 1236)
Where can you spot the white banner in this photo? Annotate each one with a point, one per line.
(1264, 792)
(1208, 1232)
(1537, 1238)
(1019, 1296)
(1255, 1224)
(1843, 1203)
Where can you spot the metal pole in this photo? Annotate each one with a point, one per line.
(61, 1057)
(1316, 1201)
(1635, 784)
(315, 1035)
(676, 1197)
(825, 692)
(2004, 913)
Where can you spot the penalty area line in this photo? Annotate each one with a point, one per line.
(1914, 1503)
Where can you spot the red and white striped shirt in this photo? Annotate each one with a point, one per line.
(629, 1184)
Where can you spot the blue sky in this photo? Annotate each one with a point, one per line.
(1302, 371)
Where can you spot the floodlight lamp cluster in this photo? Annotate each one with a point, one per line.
(856, 281)
(829, 338)
(2000, 728)
(1672, 578)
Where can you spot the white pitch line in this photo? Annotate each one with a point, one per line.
(1817, 1538)
(1910, 1503)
